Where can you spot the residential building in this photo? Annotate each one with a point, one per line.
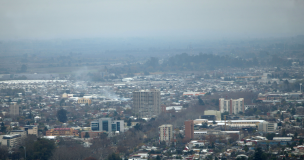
(10, 141)
(22, 133)
(165, 133)
(189, 129)
(84, 101)
(108, 125)
(62, 132)
(233, 106)
(146, 103)
(15, 110)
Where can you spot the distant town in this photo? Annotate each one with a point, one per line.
(219, 114)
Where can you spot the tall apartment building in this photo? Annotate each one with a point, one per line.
(189, 129)
(15, 110)
(108, 125)
(165, 133)
(146, 103)
(233, 106)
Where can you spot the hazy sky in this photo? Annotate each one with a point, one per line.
(41, 19)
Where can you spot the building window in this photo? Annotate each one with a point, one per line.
(105, 126)
(118, 126)
(113, 127)
(95, 126)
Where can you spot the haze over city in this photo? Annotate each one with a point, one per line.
(151, 79)
(156, 19)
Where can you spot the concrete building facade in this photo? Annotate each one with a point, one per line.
(165, 133)
(146, 103)
(233, 106)
(108, 125)
(10, 141)
(14, 110)
(22, 133)
(31, 129)
(268, 127)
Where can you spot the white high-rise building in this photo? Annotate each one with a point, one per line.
(233, 106)
(165, 133)
(146, 103)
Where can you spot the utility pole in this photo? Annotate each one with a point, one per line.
(24, 152)
(225, 121)
(300, 87)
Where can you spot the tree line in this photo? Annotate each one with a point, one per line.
(202, 61)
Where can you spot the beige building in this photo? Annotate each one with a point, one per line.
(64, 95)
(132, 124)
(84, 101)
(217, 114)
(165, 133)
(233, 106)
(31, 129)
(146, 103)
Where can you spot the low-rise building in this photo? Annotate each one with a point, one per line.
(92, 134)
(62, 132)
(31, 129)
(215, 113)
(282, 139)
(108, 125)
(10, 141)
(268, 127)
(21, 132)
(84, 101)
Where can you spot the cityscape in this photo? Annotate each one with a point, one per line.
(152, 80)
